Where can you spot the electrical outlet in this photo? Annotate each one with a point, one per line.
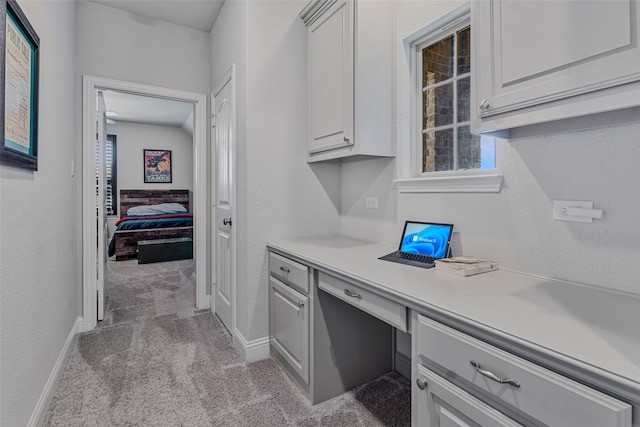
(371, 202)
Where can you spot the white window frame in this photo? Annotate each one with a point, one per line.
(414, 180)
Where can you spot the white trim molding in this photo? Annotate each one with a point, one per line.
(410, 167)
(251, 350)
(37, 417)
(485, 183)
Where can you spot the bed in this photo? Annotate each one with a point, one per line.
(151, 226)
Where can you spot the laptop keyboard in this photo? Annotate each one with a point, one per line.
(416, 257)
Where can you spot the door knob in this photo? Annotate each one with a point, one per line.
(226, 221)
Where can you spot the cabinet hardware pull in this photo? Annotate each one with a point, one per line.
(347, 140)
(285, 269)
(300, 304)
(348, 293)
(493, 376)
(226, 221)
(484, 104)
(422, 384)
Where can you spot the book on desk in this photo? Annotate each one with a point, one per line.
(465, 265)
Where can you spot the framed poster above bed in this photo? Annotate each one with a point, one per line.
(157, 166)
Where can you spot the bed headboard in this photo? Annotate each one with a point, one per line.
(130, 198)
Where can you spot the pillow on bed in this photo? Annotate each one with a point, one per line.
(162, 208)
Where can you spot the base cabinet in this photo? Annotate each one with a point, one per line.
(289, 325)
(440, 403)
(326, 344)
(460, 380)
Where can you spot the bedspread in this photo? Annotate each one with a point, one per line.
(149, 222)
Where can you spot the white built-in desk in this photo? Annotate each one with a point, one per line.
(584, 333)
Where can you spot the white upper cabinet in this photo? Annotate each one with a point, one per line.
(536, 62)
(350, 78)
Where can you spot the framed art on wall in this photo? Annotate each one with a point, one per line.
(19, 78)
(157, 166)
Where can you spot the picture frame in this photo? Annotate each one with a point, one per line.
(19, 88)
(157, 166)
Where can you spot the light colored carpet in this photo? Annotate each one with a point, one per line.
(154, 361)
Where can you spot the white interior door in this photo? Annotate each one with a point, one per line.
(223, 199)
(101, 201)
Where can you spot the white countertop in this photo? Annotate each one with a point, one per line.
(596, 329)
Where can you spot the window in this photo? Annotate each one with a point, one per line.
(447, 143)
(444, 149)
(111, 189)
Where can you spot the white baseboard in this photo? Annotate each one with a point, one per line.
(251, 350)
(37, 417)
(205, 304)
(403, 365)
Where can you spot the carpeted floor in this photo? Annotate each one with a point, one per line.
(154, 361)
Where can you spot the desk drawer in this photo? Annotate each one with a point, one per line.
(391, 312)
(290, 272)
(542, 394)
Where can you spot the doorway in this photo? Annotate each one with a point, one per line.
(91, 86)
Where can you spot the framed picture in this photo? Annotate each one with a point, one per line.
(19, 77)
(157, 166)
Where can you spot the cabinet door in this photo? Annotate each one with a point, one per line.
(331, 78)
(526, 54)
(442, 404)
(289, 326)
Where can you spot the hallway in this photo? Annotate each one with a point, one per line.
(155, 361)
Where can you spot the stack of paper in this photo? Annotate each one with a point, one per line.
(465, 265)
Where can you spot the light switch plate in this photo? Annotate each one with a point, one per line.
(560, 210)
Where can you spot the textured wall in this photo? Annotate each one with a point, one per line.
(279, 195)
(228, 47)
(286, 197)
(123, 46)
(133, 138)
(38, 217)
(515, 227)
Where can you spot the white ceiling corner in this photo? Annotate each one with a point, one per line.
(197, 14)
(146, 109)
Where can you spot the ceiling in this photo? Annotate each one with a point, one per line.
(198, 14)
(146, 109)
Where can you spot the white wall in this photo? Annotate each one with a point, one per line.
(286, 197)
(133, 138)
(515, 227)
(119, 45)
(228, 46)
(38, 217)
(124, 46)
(279, 195)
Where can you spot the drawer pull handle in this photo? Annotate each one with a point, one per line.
(422, 384)
(285, 269)
(300, 305)
(493, 376)
(348, 293)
